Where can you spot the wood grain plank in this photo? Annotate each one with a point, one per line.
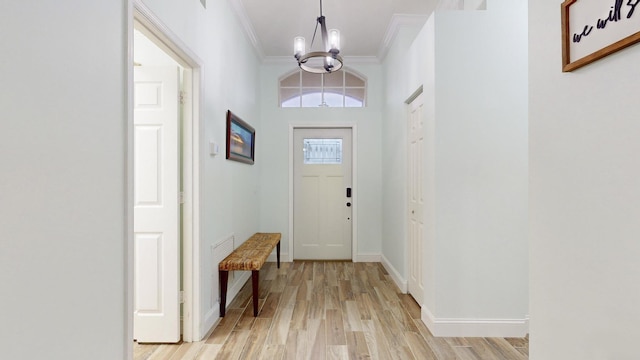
(483, 350)
(187, 351)
(256, 339)
(466, 353)
(297, 343)
(299, 317)
(272, 352)
(280, 327)
(225, 326)
(363, 301)
(332, 298)
(344, 290)
(317, 340)
(419, 346)
(410, 305)
(504, 349)
(357, 345)
(234, 345)
(335, 327)
(376, 340)
(337, 352)
(270, 306)
(305, 290)
(164, 352)
(351, 315)
(246, 320)
(208, 352)
(440, 347)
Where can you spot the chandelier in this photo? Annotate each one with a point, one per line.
(319, 62)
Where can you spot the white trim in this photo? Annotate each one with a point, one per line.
(354, 180)
(368, 258)
(274, 258)
(128, 210)
(180, 52)
(249, 31)
(210, 319)
(465, 327)
(398, 21)
(395, 275)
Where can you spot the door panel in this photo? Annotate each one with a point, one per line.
(156, 205)
(322, 221)
(416, 199)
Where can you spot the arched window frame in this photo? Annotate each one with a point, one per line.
(299, 90)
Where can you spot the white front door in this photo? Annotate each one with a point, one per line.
(156, 205)
(322, 206)
(416, 199)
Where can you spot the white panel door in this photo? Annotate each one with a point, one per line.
(156, 205)
(322, 211)
(416, 199)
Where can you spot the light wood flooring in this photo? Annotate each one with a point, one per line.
(330, 310)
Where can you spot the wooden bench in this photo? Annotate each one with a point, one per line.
(251, 255)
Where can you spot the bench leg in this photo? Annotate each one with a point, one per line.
(278, 253)
(255, 279)
(223, 275)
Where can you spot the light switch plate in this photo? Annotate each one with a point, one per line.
(214, 148)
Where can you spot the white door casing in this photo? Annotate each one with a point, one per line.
(416, 198)
(322, 212)
(156, 204)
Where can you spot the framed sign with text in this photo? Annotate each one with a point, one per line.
(593, 29)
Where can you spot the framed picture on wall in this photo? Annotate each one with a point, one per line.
(241, 140)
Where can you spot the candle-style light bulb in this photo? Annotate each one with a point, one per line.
(298, 46)
(334, 40)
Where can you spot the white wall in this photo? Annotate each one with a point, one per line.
(481, 162)
(273, 154)
(473, 68)
(230, 199)
(63, 132)
(397, 88)
(62, 179)
(584, 199)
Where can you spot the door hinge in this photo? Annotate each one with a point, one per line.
(181, 297)
(181, 97)
(181, 197)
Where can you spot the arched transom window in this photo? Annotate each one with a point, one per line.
(339, 89)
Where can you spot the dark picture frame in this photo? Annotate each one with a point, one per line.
(241, 140)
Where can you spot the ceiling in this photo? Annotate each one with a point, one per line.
(366, 26)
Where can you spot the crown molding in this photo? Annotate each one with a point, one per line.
(249, 31)
(398, 21)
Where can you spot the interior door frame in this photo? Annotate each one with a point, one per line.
(408, 104)
(169, 42)
(354, 180)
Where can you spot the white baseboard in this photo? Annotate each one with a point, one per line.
(210, 320)
(273, 257)
(452, 327)
(395, 275)
(367, 258)
(284, 257)
(213, 315)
